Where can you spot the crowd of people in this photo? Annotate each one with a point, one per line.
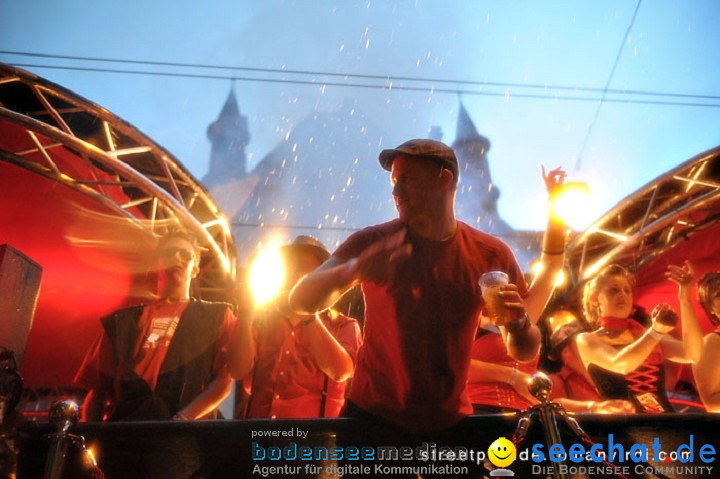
(429, 353)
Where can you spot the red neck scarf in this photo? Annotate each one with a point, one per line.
(612, 323)
(620, 324)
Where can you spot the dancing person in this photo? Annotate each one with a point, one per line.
(625, 359)
(705, 371)
(419, 275)
(296, 366)
(165, 359)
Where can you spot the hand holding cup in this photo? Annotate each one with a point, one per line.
(502, 300)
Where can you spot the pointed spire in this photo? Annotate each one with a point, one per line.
(230, 122)
(230, 109)
(466, 135)
(229, 135)
(465, 127)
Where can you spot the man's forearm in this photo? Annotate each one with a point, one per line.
(320, 289)
(523, 344)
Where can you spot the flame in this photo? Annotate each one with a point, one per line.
(267, 274)
(571, 204)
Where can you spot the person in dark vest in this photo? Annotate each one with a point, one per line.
(165, 359)
(300, 364)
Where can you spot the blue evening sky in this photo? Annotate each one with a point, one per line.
(673, 47)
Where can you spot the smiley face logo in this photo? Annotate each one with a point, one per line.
(502, 452)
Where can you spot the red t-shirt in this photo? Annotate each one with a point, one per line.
(568, 383)
(286, 382)
(156, 325)
(419, 327)
(490, 348)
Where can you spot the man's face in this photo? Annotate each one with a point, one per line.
(177, 264)
(416, 183)
(297, 264)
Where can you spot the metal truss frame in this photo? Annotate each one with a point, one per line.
(85, 147)
(651, 221)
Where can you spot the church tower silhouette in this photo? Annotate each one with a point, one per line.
(477, 194)
(229, 136)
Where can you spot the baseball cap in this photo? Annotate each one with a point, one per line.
(425, 149)
(310, 244)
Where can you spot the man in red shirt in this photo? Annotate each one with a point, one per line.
(301, 363)
(419, 274)
(165, 359)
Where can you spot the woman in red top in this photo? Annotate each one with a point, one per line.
(624, 358)
(496, 382)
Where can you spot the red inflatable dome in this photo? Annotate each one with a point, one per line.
(84, 194)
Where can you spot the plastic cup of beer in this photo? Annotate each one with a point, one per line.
(490, 286)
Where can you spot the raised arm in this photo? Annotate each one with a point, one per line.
(692, 342)
(320, 289)
(552, 257)
(594, 351)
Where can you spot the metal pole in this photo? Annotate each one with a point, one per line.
(540, 387)
(63, 415)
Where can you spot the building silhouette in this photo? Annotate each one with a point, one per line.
(323, 179)
(477, 194)
(229, 135)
